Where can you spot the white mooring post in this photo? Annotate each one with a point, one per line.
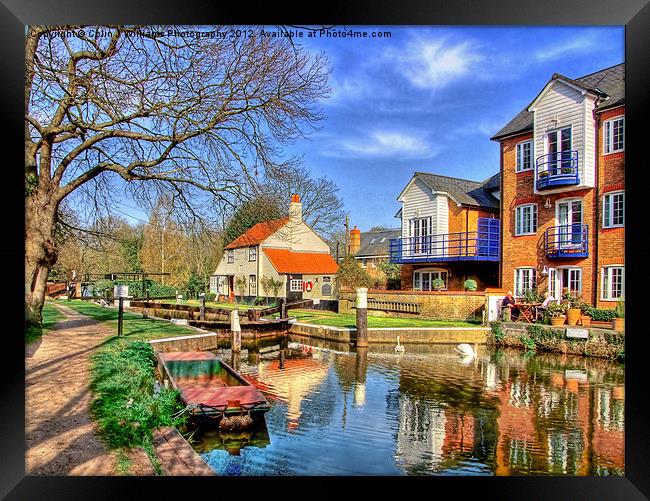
(236, 331)
(362, 317)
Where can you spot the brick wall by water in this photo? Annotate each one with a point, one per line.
(445, 305)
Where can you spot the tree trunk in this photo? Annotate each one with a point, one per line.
(40, 253)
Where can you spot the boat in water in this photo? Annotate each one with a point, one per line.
(212, 390)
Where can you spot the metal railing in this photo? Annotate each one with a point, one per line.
(570, 240)
(557, 169)
(480, 245)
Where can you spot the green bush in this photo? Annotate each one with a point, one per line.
(620, 309)
(470, 285)
(105, 288)
(124, 404)
(528, 342)
(258, 301)
(497, 331)
(210, 296)
(437, 284)
(600, 315)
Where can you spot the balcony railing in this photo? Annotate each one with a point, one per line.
(480, 245)
(557, 169)
(570, 240)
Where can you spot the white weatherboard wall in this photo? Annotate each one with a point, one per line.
(562, 106)
(419, 201)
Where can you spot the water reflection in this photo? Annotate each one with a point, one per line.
(341, 411)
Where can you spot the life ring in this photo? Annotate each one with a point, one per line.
(308, 286)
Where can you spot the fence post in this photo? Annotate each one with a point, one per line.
(202, 307)
(362, 317)
(236, 331)
(120, 316)
(283, 308)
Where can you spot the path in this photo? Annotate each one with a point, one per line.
(60, 435)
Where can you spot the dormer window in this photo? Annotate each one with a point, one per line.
(614, 135)
(231, 256)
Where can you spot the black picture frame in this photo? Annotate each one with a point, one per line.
(633, 14)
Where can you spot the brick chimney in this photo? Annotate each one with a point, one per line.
(295, 209)
(355, 240)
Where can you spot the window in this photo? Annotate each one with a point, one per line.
(383, 239)
(526, 219)
(524, 155)
(326, 290)
(295, 285)
(613, 282)
(252, 253)
(614, 209)
(214, 284)
(252, 285)
(372, 241)
(525, 279)
(364, 262)
(423, 279)
(614, 132)
(231, 255)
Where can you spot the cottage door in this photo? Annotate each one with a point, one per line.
(294, 288)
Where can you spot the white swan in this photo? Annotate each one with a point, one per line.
(466, 350)
(399, 348)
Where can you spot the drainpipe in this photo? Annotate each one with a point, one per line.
(502, 229)
(596, 207)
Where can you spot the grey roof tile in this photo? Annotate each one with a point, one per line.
(462, 190)
(376, 243)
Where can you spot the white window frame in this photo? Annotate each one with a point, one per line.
(560, 285)
(532, 280)
(252, 253)
(519, 156)
(364, 262)
(519, 219)
(608, 136)
(609, 223)
(231, 256)
(296, 285)
(252, 285)
(444, 274)
(606, 295)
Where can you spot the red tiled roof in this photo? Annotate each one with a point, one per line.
(310, 263)
(258, 233)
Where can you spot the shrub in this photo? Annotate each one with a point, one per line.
(600, 315)
(352, 275)
(620, 309)
(210, 296)
(438, 284)
(497, 331)
(258, 301)
(528, 342)
(470, 285)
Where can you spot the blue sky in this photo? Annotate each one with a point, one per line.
(429, 99)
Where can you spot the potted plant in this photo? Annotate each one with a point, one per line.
(572, 308)
(619, 319)
(556, 313)
(585, 318)
(470, 285)
(438, 284)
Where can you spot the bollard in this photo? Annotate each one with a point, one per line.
(362, 317)
(283, 308)
(202, 307)
(120, 316)
(361, 368)
(236, 331)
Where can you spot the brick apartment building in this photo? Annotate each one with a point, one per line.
(449, 230)
(563, 190)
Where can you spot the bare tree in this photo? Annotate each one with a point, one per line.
(126, 111)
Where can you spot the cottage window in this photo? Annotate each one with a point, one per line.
(295, 285)
(252, 253)
(525, 279)
(526, 219)
(613, 283)
(231, 256)
(326, 290)
(252, 285)
(614, 131)
(614, 209)
(364, 262)
(524, 156)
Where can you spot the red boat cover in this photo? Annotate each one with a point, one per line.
(217, 397)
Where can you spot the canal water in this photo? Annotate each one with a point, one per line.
(336, 410)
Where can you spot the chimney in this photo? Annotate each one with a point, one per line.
(355, 240)
(295, 209)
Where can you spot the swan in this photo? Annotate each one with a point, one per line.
(466, 350)
(399, 348)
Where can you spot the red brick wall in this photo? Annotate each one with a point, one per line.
(611, 177)
(528, 250)
(485, 274)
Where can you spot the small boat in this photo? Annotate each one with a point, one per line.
(212, 390)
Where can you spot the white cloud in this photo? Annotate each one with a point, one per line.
(582, 44)
(382, 143)
(435, 63)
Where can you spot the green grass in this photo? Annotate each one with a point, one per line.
(122, 381)
(50, 317)
(318, 317)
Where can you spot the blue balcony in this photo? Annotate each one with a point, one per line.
(569, 241)
(557, 169)
(481, 245)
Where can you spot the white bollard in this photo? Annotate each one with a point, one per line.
(236, 331)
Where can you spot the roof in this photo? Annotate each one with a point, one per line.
(493, 183)
(610, 82)
(310, 263)
(258, 233)
(376, 243)
(463, 191)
